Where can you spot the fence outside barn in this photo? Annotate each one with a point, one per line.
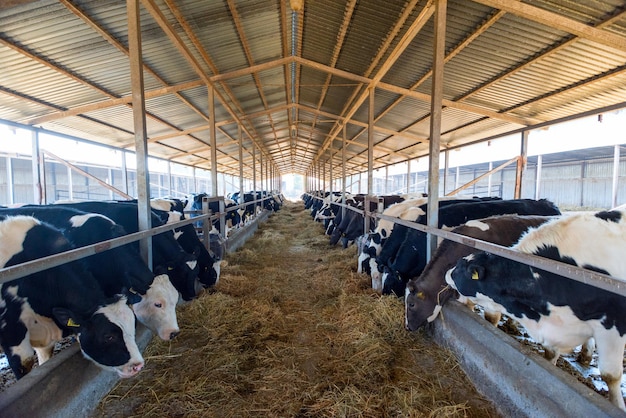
(588, 178)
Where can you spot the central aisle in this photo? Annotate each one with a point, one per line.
(292, 330)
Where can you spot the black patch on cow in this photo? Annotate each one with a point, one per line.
(613, 216)
(104, 341)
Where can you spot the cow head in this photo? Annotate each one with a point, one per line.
(495, 283)
(422, 303)
(107, 337)
(183, 272)
(157, 308)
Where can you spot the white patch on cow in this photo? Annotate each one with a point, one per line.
(178, 234)
(476, 223)
(42, 331)
(434, 314)
(13, 231)
(173, 217)
(362, 257)
(79, 220)
(165, 205)
(561, 329)
(157, 308)
(216, 267)
(192, 264)
(120, 314)
(375, 274)
(572, 235)
(407, 292)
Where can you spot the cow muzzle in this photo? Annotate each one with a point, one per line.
(129, 370)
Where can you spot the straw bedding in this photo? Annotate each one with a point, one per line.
(292, 330)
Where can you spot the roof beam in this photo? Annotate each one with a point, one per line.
(557, 21)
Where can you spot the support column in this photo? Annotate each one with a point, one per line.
(408, 176)
(435, 123)
(253, 167)
(213, 140)
(521, 165)
(616, 158)
(370, 142)
(538, 177)
(241, 189)
(39, 179)
(139, 120)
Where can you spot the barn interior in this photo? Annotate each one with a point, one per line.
(320, 88)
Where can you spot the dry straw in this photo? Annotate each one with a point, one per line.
(293, 331)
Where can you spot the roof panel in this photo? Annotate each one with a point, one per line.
(66, 68)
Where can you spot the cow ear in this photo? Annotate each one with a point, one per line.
(132, 296)
(477, 272)
(66, 318)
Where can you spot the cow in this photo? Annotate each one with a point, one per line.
(39, 309)
(182, 267)
(392, 242)
(117, 270)
(208, 260)
(410, 259)
(426, 294)
(558, 312)
(231, 216)
(352, 224)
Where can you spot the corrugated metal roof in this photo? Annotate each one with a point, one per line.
(66, 68)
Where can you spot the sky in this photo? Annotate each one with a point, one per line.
(578, 134)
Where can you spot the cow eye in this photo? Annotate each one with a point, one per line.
(109, 338)
(158, 305)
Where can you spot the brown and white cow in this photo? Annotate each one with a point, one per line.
(426, 294)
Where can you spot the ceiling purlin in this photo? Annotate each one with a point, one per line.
(404, 42)
(98, 29)
(341, 36)
(84, 82)
(74, 111)
(566, 42)
(209, 62)
(246, 48)
(559, 22)
(286, 71)
(541, 55)
(177, 42)
(490, 21)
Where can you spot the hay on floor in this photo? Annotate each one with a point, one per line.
(293, 330)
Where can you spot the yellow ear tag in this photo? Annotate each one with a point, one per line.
(420, 295)
(71, 323)
(475, 275)
(170, 268)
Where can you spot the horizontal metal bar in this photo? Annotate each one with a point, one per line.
(21, 270)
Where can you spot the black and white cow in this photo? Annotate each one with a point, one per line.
(558, 312)
(39, 309)
(209, 260)
(353, 224)
(117, 270)
(181, 267)
(231, 216)
(426, 294)
(410, 258)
